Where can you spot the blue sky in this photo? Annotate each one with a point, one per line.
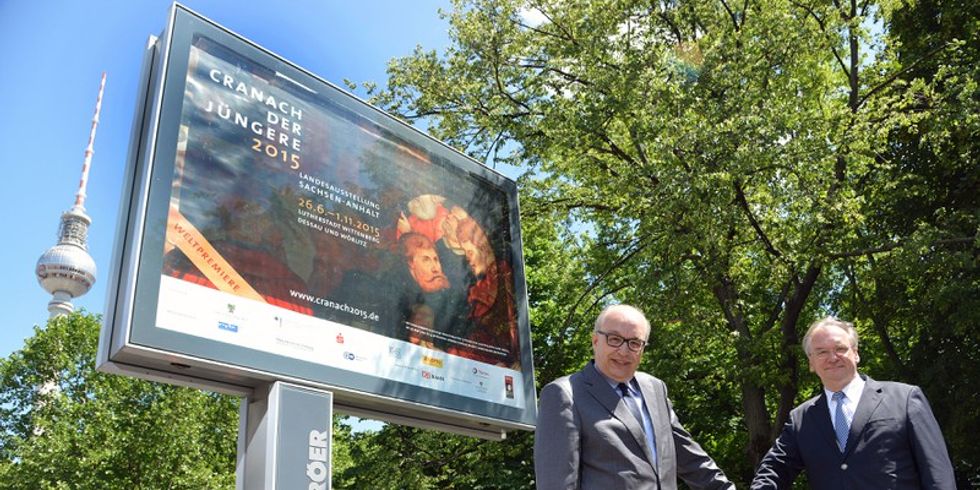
(52, 54)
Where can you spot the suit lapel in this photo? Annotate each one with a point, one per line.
(826, 425)
(599, 388)
(660, 419)
(870, 399)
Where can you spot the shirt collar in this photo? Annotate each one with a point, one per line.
(852, 390)
(633, 387)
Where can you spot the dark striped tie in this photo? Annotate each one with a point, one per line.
(840, 421)
(629, 403)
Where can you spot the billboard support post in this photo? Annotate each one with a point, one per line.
(285, 438)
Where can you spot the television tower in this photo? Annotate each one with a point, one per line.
(66, 270)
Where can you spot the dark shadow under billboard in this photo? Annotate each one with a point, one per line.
(292, 229)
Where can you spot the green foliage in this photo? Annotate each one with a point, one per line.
(919, 301)
(64, 425)
(340, 457)
(399, 457)
(737, 170)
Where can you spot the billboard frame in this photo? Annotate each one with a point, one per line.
(172, 363)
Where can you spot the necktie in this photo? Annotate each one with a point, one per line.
(629, 403)
(840, 422)
(634, 406)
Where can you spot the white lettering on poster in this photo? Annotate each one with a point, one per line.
(278, 133)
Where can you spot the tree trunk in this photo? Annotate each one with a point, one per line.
(791, 348)
(753, 394)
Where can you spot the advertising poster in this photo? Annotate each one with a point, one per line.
(301, 228)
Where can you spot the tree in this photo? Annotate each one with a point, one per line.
(64, 425)
(921, 298)
(728, 162)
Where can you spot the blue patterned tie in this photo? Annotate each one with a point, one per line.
(629, 398)
(840, 422)
(629, 403)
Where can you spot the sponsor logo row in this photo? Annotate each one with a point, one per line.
(397, 351)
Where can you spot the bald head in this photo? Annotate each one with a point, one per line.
(620, 334)
(623, 313)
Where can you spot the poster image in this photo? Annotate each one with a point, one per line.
(298, 226)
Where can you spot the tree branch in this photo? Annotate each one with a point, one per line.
(894, 245)
(614, 149)
(567, 76)
(491, 148)
(744, 204)
(790, 340)
(626, 257)
(637, 145)
(880, 323)
(577, 205)
(602, 164)
(499, 84)
(731, 14)
(894, 76)
(823, 29)
(671, 25)
(852, 41)
(777, 308)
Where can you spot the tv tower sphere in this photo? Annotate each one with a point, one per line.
(66, 270)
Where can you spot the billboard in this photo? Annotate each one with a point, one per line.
(277, 227)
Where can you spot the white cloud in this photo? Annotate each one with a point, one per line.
(532, 16)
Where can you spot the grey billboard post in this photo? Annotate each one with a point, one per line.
(284, 438)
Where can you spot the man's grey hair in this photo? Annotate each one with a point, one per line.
(830, 321)
(621, 308)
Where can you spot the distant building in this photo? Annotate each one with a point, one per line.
(66, 270)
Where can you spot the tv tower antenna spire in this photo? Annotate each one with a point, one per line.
(66, 270)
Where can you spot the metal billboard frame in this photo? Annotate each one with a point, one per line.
(130, 342)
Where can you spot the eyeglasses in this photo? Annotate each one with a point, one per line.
(616, 341)
(824, 354)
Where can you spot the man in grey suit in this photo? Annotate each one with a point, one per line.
(859, 433)
(609, 427)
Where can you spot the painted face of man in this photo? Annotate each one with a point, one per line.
(426, 269)
(833, 357)
(619, 363)
(474, 257)
(475, 245)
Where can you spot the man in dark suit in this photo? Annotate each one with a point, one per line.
(859, 433)
(611, 427)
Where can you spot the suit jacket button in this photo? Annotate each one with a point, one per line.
(843, 466)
